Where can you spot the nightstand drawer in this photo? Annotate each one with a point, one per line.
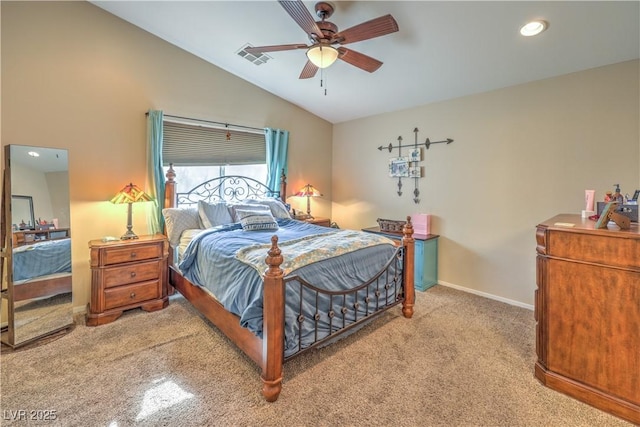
(131, 294)
(131, 273)
(130, 254)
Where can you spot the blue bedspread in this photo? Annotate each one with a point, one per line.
(41, 259)
(210, 261)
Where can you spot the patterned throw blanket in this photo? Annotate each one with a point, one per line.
(306, 250)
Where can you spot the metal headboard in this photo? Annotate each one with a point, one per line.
(231, 188)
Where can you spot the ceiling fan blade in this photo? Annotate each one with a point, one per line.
(299, 12)
(358, 59)
(308, 71)
(367, 30)
(275, 48)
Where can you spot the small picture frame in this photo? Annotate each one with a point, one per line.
(636, 194)
(604, 216)
(399, 167)
(415, 155)
(415, 172)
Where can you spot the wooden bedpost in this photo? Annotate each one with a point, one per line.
(170, 200)
(273, 324)
(283, 187)
(409, 260)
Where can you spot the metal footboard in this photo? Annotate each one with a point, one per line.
(329, 314)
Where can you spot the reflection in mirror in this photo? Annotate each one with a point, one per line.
(38, 269)
(22, 210)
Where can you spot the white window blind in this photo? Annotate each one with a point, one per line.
(193, 145)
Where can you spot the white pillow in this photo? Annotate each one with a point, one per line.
(177, 220)
(278, 209)
(213, 214)
(247, 207)
(256, 220)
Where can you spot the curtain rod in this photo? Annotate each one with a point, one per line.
(211, 122)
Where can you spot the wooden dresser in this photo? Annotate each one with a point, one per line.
(587, 308)
(26, 237)
(127, 274)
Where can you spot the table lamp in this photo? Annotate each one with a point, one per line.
(308, 191)
(130, 194)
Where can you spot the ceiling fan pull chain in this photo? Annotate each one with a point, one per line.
(323, 81)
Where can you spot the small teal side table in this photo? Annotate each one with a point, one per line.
(426, 257)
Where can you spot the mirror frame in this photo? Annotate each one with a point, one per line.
(38, 291)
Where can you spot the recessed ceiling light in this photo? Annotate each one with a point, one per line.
(33, 154)
(533, 28)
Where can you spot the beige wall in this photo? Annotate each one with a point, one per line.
(76, 77)
(521, 155)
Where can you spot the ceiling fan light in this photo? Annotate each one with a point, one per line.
(322, 56)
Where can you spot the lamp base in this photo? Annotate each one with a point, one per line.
(128, 235)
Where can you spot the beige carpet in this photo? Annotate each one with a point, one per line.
(463, 360)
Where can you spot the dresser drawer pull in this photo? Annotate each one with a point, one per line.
(133, 295)
(133, 274)
(133, 254)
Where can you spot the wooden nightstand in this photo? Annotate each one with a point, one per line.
(127, 274)
(325, 222)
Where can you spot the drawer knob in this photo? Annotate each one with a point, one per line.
(133, 274)
(133, 254)
(133, 295)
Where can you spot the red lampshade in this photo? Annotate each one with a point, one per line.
(308, 191)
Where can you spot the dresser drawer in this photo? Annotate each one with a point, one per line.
(601, 249)
(131, 273)
(131, 294)
(130, 254)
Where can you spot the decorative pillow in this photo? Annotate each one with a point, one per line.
(256, 220)
(246, 207)
(213, 214)
(177, 220)
(278, 209)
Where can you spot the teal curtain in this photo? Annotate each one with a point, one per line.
(155, 173)
(277, 143)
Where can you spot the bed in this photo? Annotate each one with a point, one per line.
(42, 269)
(278, 287)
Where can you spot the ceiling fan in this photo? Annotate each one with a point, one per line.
(324, 36)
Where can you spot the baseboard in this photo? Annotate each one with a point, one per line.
(487, 295)
(82, 309)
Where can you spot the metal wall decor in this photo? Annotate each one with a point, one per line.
(409, 166)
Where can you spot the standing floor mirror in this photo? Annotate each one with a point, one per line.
(36, 244)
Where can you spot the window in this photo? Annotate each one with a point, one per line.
(200, 153)
(189, 177)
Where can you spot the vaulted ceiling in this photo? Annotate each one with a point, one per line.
(443, 50)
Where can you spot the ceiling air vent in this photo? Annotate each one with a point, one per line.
(259, 59)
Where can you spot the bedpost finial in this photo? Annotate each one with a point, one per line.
(274, 258)
(171, 173)
(407, 229)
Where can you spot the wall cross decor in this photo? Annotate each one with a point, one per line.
(409, 166)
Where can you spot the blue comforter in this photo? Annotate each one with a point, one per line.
(210, 260)
(41, 259)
